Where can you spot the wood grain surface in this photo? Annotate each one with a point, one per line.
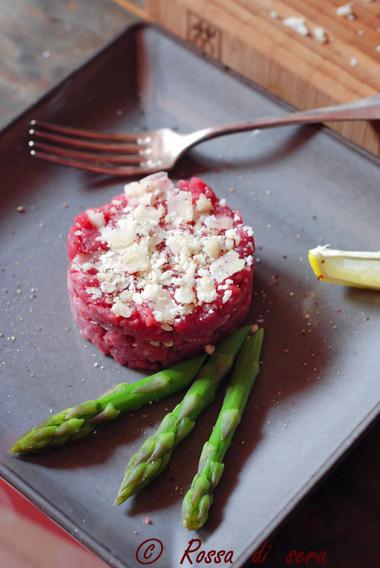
(250, 37)
(342, 516)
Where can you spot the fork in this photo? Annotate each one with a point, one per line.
(132, 154)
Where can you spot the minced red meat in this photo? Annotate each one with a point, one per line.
(160, 272)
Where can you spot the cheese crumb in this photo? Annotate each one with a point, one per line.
(180, 205)
(226, 265)
(96, 218)
(212, 246)
(121, 309)
(203, 204)
(121, 237)
(210, 349)
(298, 24)
(205, 289)
(135, 258)
(345, 11)
(95, 293)
(226, 296)
(234, 235)
(184, 293)
(219, 223)
(154, 260)
(320, 35)
(133, 189)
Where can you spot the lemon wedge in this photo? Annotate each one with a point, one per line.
(349, 268)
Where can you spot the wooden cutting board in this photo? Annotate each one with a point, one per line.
(250, 37)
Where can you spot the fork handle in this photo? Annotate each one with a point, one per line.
(362, 109)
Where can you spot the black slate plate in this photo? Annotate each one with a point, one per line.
(319, 388)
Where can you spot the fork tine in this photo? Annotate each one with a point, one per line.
(77, 143)
(96, 168)
(94, 157)
(130, 137)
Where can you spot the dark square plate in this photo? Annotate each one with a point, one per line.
(319, 387)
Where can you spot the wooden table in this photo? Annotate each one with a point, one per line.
(40, 42)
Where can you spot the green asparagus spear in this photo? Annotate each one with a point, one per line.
(75, 423)
(198, 499)
(154, 454)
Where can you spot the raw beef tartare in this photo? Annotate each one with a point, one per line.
(162, 272)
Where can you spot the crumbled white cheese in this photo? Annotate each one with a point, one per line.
(120, 309)
(96, 218)
(179, 244)
(86, 266)
(297, 24)
(184, 294)
(133, 189)
(226, 265)
(205, 288)
(126, 296)
(150, 291)
(219, 223)
(203, 204)
(80, 262)
(213, 245)
(226, 296)
(135, 258)
(164, 307)
(95, 293)
(120, 237)
(180, 205)
(151, 215)
(234, 235)
(320, 35)
(345, 11)
(138, 298)
(154, 259)
(249, 260)
(157, 183)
